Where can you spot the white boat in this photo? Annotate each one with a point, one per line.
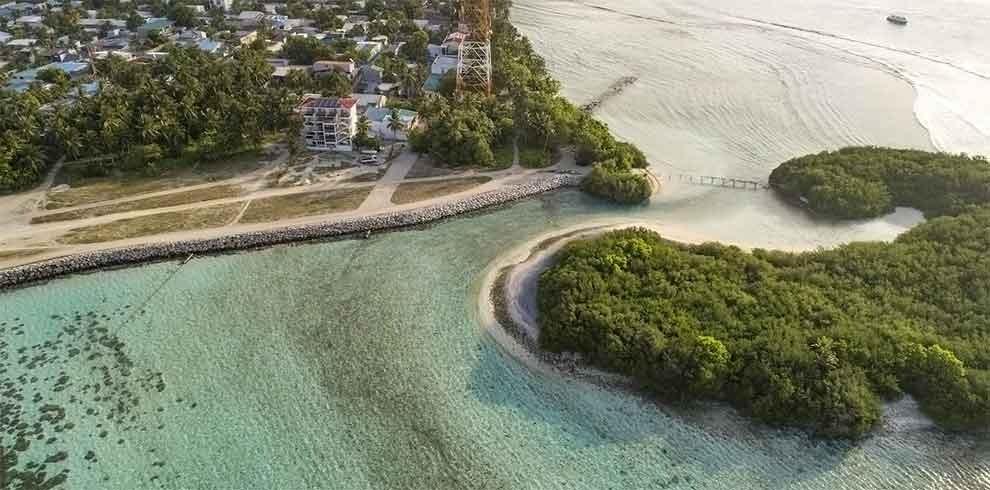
(897, 19)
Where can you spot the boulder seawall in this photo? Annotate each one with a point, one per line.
(88, 261)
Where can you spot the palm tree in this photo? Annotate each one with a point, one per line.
(72, 141)
(363, 127)
(395, 124)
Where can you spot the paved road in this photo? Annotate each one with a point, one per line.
(381, 195)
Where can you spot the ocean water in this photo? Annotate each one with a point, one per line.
(365, 364)
(732, 81)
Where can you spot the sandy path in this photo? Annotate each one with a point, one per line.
(233, 228)
(16, 209)
(381, 196)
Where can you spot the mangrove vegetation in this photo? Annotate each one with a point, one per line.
(866, 182)
(816, 340)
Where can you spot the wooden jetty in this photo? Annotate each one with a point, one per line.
(719, 181)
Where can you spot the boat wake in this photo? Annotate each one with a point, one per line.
(959, 122)
(953, 123)
(908, 52)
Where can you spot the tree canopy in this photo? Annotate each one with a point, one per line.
(865, 182)
(815, 340)
(188, 105)
(526, 104)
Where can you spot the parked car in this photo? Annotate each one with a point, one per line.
(369, 160)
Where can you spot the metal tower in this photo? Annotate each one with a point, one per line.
(474, 58)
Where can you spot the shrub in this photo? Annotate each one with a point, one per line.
(865, 182)
(617, 183)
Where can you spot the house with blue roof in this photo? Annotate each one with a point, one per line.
(210, 46)
(381, 118)
(159, 24)
(432, 83)
(22, 80)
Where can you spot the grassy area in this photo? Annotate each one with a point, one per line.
(419, 191)
(179, 198)
(89, 189)
(194, 219)
(534, 157)
(305, 204)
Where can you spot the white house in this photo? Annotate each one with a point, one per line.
(347, 67)
(22, 43)
(369, 101)
(32, 21)
(223, 5)
(371, 47)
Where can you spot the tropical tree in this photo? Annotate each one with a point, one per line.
(361, 136)
(395, 123)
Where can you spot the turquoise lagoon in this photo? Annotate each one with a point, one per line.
(362, 365)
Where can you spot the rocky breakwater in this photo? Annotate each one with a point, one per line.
(87, 261)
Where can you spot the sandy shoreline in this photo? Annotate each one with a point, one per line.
(507, 306)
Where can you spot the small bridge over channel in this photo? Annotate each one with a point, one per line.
(716, 181)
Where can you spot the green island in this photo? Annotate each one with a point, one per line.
(866, 182)
(816, 340)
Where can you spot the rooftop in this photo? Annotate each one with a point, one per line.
(155, 25)
(329, 103)
(209, 45)
(70, 68)
(22, 42)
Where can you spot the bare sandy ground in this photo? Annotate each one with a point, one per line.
(18, 235)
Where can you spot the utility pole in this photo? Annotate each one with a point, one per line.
(474, 58)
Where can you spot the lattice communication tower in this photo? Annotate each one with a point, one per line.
(474, 58)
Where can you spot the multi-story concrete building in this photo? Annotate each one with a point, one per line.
(329, 123)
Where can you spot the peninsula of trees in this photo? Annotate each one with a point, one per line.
(473, 130)
(866, 182)
(815, 340)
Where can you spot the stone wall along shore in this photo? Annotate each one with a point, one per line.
(99, 259)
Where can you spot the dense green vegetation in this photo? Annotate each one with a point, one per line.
(526, 104)
(616, 181)
(192, 106)
(815, 340)
(188, 106)
(865, 182)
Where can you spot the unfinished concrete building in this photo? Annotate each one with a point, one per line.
(329, 123)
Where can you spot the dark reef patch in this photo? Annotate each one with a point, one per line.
(77, 382)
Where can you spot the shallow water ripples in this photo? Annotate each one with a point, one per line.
(362, 363)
